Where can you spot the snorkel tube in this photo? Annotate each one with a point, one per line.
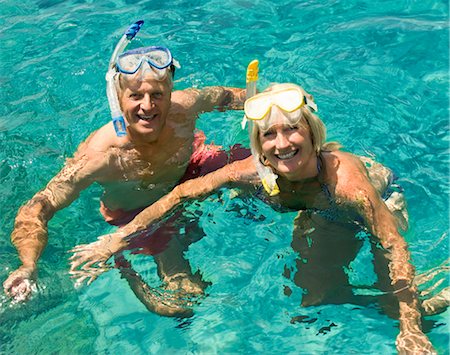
(111, 92)
(251, 80)
(267, 176)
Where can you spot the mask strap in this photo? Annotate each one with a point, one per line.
(310, 103)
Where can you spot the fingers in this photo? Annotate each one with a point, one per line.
(91, 279)
(18, 281)
(76, 261)
(79, 248)
(22, 291)
(18, 287)
(88, 261)
(81, 252)
(81, 276)
(81, 257)
(88, 265)
(79, 281)
(7, 285)
(88, 272)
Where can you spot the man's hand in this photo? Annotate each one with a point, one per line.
(20, 283)
(414, 342)
(89, 260)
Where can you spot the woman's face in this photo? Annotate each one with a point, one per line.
(288, 149)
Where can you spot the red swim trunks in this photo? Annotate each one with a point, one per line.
(204, 159)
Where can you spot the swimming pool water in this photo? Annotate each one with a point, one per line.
(379, 74)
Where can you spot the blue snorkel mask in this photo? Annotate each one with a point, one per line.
(158, 59)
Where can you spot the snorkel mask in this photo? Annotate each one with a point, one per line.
(287, 99)
(157, 59)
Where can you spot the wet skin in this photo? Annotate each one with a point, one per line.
(353, 190)
(134, 170)
(326, 248)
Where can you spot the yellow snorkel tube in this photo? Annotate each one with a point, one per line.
(267, 176)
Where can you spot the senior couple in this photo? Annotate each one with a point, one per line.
(150, 158)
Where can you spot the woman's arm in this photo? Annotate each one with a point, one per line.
(382, 224)
(91, 258)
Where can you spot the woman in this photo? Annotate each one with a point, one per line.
(332, 190)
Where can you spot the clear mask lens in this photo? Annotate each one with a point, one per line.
(148, 69)
(156, 57)
(289, 100)
(256, 109)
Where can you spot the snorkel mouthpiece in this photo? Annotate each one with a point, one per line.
(132, 31)
(111, 92)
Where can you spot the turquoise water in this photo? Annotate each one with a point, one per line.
(379, 73)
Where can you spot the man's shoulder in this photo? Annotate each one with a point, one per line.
(104, 138)
(91, 153)
(98, 143)
(186, 98)
(185, 106)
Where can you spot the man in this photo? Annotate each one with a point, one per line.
(158, 151)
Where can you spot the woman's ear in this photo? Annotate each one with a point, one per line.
(264, 160)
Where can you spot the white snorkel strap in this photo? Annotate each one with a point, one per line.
(267, 176)
(111, 92)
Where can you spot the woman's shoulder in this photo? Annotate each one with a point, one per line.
(345, 171)
(340, 162)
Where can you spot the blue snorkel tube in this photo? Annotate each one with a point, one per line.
(111, 92)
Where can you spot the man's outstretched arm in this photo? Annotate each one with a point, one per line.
(88, 260)
(217, 98)
(30, 228)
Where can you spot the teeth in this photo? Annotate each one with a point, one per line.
(148, 118)
(287, 155)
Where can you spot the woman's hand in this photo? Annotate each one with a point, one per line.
(89, 260)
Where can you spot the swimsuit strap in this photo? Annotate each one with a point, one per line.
(319, 163)
(323, 186)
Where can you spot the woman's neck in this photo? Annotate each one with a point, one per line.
(309, 171)
(310, 174)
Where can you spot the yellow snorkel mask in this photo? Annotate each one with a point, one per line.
(287, 99)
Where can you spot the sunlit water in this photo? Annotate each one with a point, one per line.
(379, 73)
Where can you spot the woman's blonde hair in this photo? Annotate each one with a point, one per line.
(302, 116)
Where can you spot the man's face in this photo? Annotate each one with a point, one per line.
(145, 104)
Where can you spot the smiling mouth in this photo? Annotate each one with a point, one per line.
(287, 156)
(148, 118)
